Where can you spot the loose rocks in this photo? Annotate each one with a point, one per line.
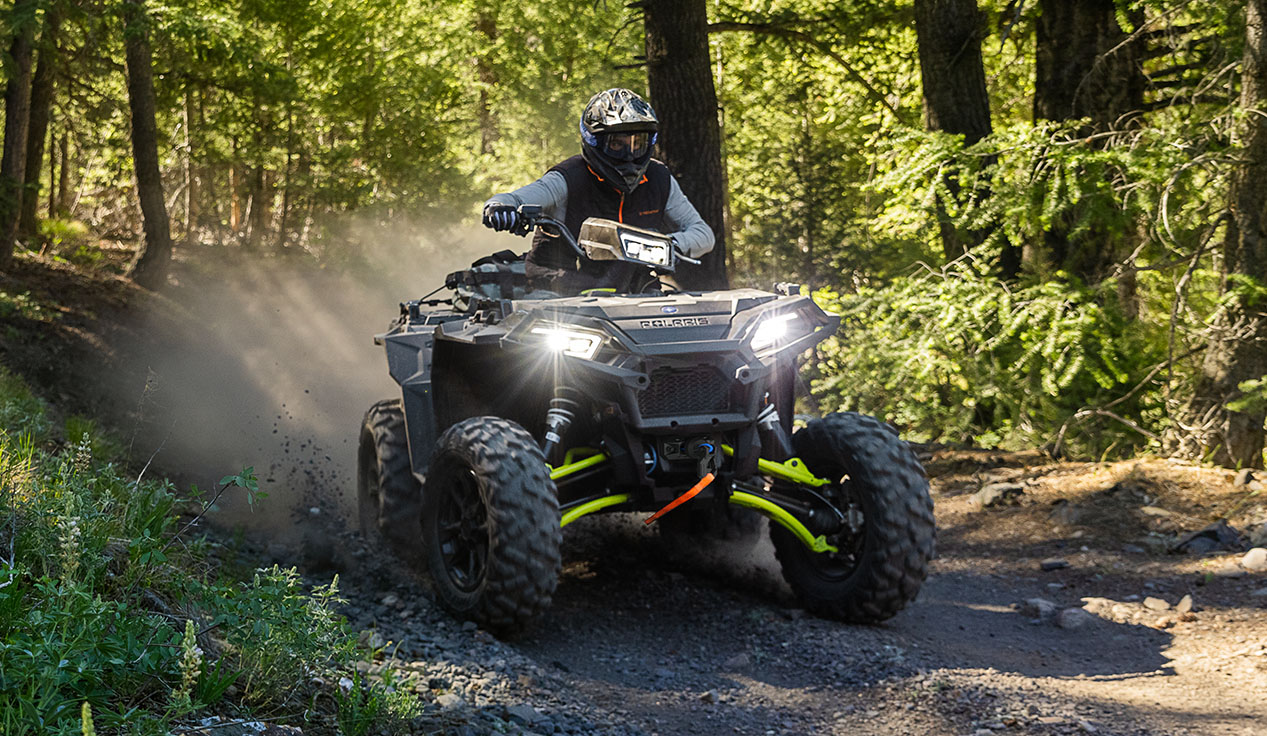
(998, 494)
(1217, 536)
(1073, 618)
(1255, 560)
(1038, 608)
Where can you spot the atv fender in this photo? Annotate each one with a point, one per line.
(409, 356)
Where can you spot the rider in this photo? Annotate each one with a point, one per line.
(614, 178)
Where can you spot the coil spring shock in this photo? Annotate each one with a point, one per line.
(559, 416)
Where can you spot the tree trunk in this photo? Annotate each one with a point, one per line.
(155, 253)
(37, 131)
(191, 173)
(235, 198)
(52, 169)
(680, 82)
(17, 110)
(952, 74)
(63, 177)
(260, 209)
(1238, 347)
(1086, 68)
(283, 222)
(486, 73)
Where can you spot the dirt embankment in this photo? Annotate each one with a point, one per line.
(271, 365)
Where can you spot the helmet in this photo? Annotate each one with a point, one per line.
(618, 130)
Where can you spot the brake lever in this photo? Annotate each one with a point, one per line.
(683, 257)
(522, 227)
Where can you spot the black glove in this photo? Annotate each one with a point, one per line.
(500, 217)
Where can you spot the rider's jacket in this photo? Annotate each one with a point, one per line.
(570, 191)
(552, 264)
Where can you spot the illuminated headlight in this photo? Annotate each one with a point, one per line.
(654, 252)
(576, 343)
(772, 330)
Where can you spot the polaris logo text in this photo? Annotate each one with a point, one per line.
(674, 322)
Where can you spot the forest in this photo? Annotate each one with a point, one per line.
(1042, 219)
(1043, 224)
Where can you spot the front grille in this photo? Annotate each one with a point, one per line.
(698, 390)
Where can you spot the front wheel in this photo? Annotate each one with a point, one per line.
(884, 547)
(490, 522)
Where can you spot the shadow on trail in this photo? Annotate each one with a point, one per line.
(967, 619)
(635, 611)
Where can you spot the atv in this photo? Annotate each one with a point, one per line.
(521, 412)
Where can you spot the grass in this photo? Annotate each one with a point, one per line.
(113, 618)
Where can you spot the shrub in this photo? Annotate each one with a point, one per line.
(103, 602)
(958, 356)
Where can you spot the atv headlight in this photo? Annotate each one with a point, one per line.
(773, 330)
(576, 343)
(645, 250)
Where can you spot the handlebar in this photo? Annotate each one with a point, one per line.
(532, 216)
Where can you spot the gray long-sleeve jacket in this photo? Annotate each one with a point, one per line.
(693, 236)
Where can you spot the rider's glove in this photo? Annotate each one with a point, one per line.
(500, 216)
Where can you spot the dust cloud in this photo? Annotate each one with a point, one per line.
(269, 362)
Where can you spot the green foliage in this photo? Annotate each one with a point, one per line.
(102, 602)
(23, 305)
(360, 705)
(1253, 397)
(84, 429)
(279, 634)
(22, 415)
(956, 356)
(364, 702)
(70, 240)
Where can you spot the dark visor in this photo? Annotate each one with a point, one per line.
(625, 146)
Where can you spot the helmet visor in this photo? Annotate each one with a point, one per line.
(625, 146)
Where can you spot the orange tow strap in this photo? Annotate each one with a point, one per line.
(703, 483)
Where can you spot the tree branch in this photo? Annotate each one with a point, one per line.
(783, 31)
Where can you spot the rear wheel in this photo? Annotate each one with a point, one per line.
(884, 547)
(388, 496)
(491, 524)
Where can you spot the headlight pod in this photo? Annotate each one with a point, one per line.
(645, 250)
(776, 329)
(569, 341)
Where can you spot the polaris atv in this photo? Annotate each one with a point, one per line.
(521, 412)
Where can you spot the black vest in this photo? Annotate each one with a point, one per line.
(553, 265)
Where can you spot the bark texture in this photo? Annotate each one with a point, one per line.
(37, 132)
(680, 81)
(955, 99)
(155, 253)
(486, 73)
(952, 73)
(17, 110)
(1238, 347)
(1085, 67)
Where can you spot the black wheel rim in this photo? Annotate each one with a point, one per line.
(850, 542)
(462, 530)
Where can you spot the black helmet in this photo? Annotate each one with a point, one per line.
(618, 130)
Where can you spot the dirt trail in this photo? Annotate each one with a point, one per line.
(639, 636)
